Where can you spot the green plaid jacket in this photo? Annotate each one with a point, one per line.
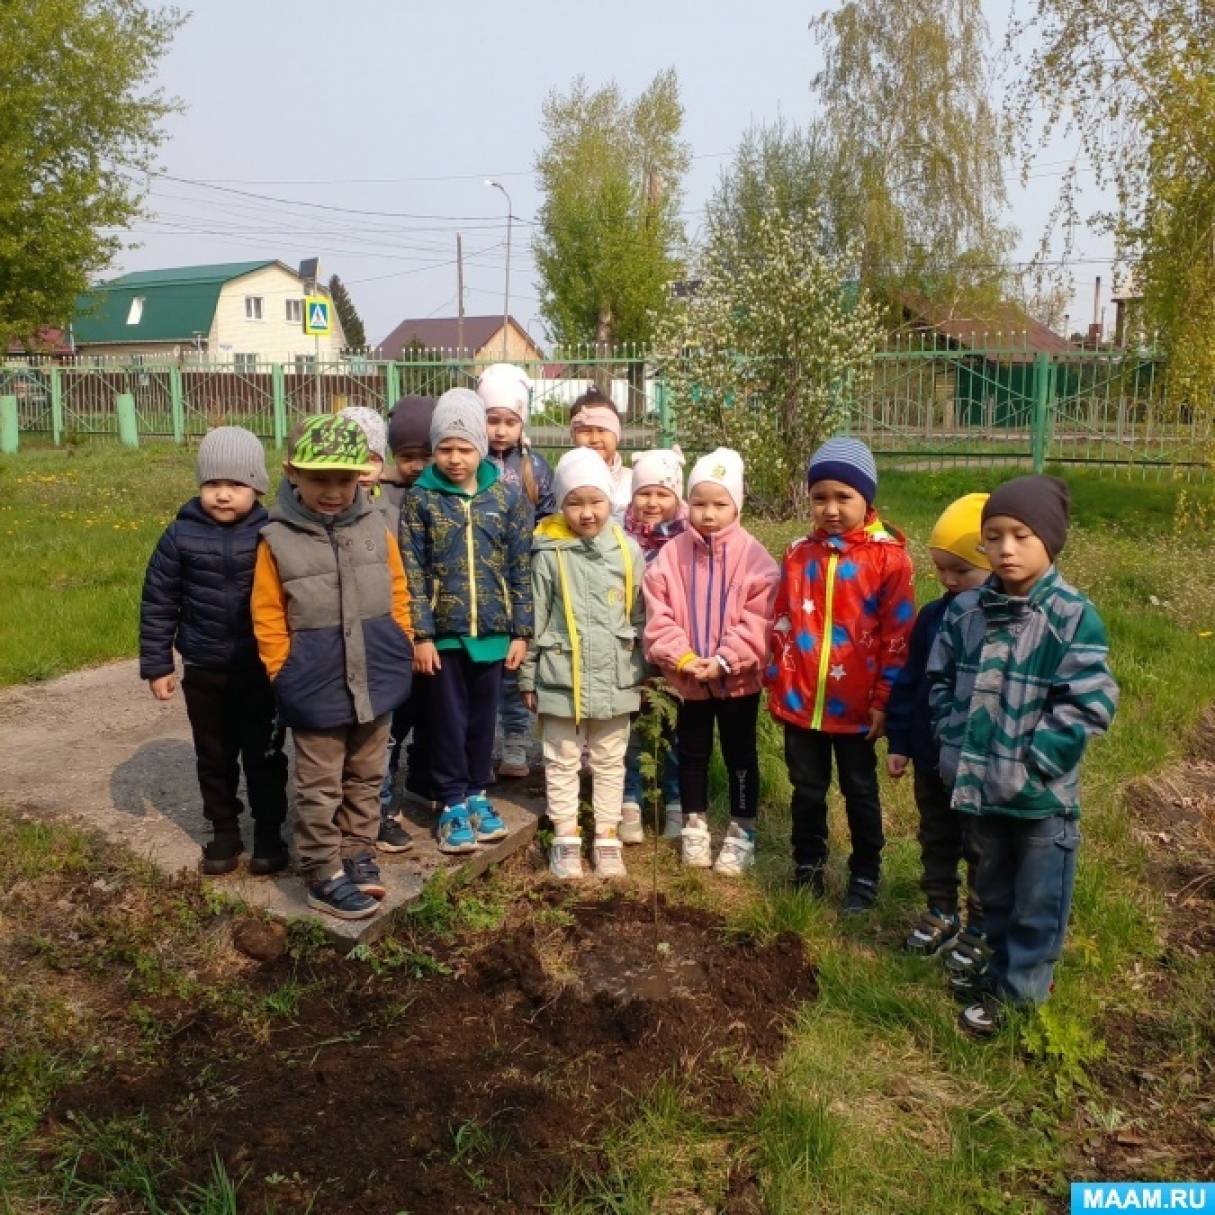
(1017, 686)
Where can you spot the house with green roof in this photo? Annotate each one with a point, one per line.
(240, 313)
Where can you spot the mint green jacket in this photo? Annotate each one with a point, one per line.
(585, 660)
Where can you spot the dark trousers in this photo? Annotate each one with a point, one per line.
(808, 757)
(232, 717)
(945, 840)
(463, 712)
(735, 718)
(1027, 871)
(412, 717)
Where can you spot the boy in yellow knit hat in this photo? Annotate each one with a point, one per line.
(956, 548)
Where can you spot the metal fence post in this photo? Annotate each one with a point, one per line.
(176, 405)
(662, 401)
(10, 439)
(56, 405)
(128, 421)
(1043, 402)
(392, 386)
(280, 404)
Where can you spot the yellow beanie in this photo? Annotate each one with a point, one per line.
(959, 530)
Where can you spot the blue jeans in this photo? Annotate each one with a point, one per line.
(514, 717)
(632, 770)
(1026, 874)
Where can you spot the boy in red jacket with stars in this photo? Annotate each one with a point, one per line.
(843, 616)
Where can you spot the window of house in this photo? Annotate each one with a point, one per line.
(245, 363)
(305, 364)
(135, 312)
(295, 310)
(253, 307)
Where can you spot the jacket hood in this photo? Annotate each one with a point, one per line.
(192, 512)
(432, 478)
(289, 509)
(554, 533)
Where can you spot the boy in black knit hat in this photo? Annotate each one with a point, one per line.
(1019, 681)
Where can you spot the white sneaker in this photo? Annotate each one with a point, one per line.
(673, 828)
(630, 831)
(607, 855)
(737, 852)
(565, 857)
(697, 843)
(514, 756)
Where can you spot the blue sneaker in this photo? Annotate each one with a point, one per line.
(340, 897)
(365, 874)
(455, 832)
(485, 820)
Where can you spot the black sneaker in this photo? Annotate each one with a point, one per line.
(365, 874)
(340, 897)
(937, 930)
(222, 853)
(983, 1018)
(861, 896)
(966, 964)
(811, 878)
(270, 854)
(393, 837)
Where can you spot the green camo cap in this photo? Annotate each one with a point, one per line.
(328, 441)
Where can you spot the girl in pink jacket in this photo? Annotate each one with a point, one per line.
(709, 596)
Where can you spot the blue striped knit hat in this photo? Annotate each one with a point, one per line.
(846, 460)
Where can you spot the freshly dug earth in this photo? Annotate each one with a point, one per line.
(1167, 1082)
(481, 1085)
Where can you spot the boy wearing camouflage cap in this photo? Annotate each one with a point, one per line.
(331, 616)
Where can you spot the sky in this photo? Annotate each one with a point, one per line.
(340, 112)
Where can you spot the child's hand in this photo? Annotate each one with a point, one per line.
(896, 766)
(163, 686)
(516, 654)
(426, 660)
(529, 701)
(705, 669)
(877, 725)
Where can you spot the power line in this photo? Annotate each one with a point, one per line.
(293, 202)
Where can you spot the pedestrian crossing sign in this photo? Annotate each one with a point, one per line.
(316, 316)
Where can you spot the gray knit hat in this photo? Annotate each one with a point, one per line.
(460, 414)
(232, 453)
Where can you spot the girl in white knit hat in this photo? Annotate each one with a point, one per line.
(506, 391)
(584, 667)
(656, 515)
(709, 599)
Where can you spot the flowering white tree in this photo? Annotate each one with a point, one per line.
(768, 351)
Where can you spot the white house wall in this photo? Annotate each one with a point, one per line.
(273, 338)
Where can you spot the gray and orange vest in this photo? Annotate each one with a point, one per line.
(349, 660)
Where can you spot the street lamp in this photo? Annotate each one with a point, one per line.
(497, 185)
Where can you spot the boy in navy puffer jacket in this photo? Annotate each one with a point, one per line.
(196, 599)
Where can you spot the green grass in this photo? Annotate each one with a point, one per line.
(879, 1104)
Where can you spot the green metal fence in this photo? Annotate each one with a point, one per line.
(928, 402)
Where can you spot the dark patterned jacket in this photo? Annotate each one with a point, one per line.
(468, 557)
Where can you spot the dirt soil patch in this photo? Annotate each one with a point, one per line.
(1159, 1068)
(473, 1078)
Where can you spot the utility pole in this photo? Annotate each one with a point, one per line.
(459, 296)
(497, 185)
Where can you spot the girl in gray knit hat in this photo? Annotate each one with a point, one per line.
(196, 601)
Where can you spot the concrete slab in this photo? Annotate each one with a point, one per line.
(94, 746)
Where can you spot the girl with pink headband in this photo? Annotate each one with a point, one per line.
(596, 424)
